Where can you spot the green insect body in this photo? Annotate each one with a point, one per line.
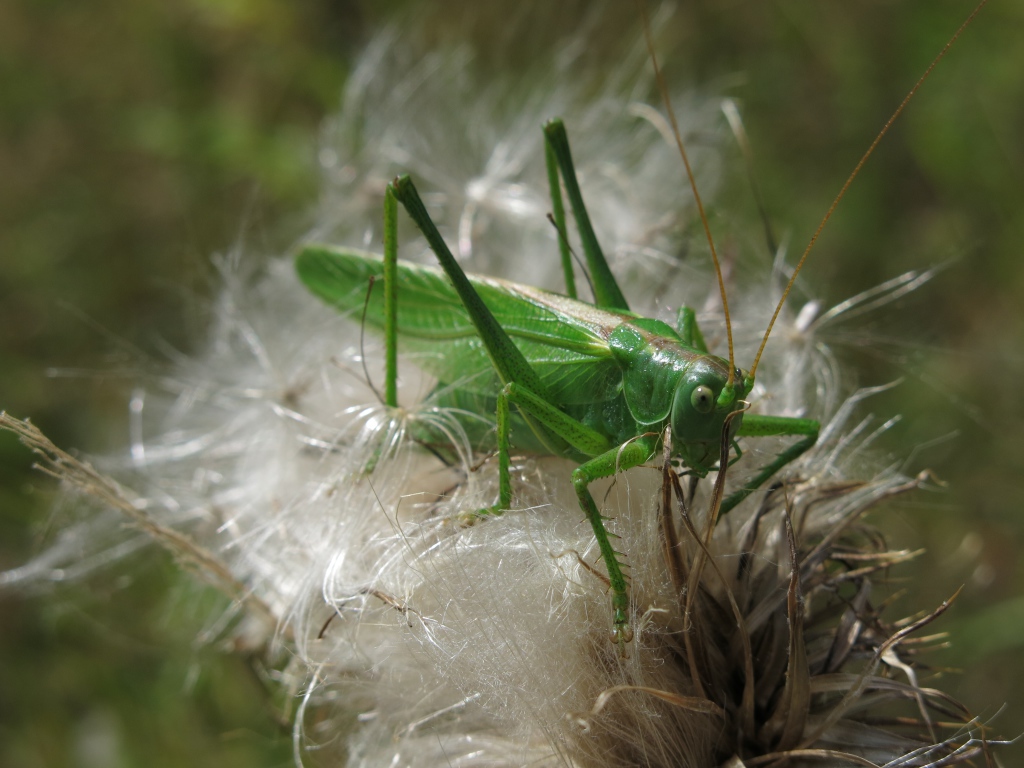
(615, 372)
(592, 382)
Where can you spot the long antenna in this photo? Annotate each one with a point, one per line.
(696, 195)
(853, 175)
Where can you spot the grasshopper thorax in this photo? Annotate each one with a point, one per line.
(666, 383)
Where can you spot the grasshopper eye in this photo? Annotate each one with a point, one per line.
(702, 399)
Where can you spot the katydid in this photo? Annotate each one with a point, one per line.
(594, 383)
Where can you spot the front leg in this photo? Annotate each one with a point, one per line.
(620, 458)
(608, 461)
(552, 426)
(766, 426)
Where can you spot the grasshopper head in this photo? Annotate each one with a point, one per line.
(700, 406)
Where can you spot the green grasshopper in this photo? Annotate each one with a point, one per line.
(594, 383)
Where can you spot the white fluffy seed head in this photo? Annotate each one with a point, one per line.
(424, 640)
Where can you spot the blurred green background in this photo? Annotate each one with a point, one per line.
(138, 139)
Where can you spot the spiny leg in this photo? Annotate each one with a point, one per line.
(622, 457)
(768, 426)
(390, 318)
(608, 460)
(558, 214)
(390, 299)
(508, 361)
(556, 423)
(607, 293)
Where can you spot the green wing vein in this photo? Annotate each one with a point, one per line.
(564, 340)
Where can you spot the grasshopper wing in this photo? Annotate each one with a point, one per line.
(565, 341)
